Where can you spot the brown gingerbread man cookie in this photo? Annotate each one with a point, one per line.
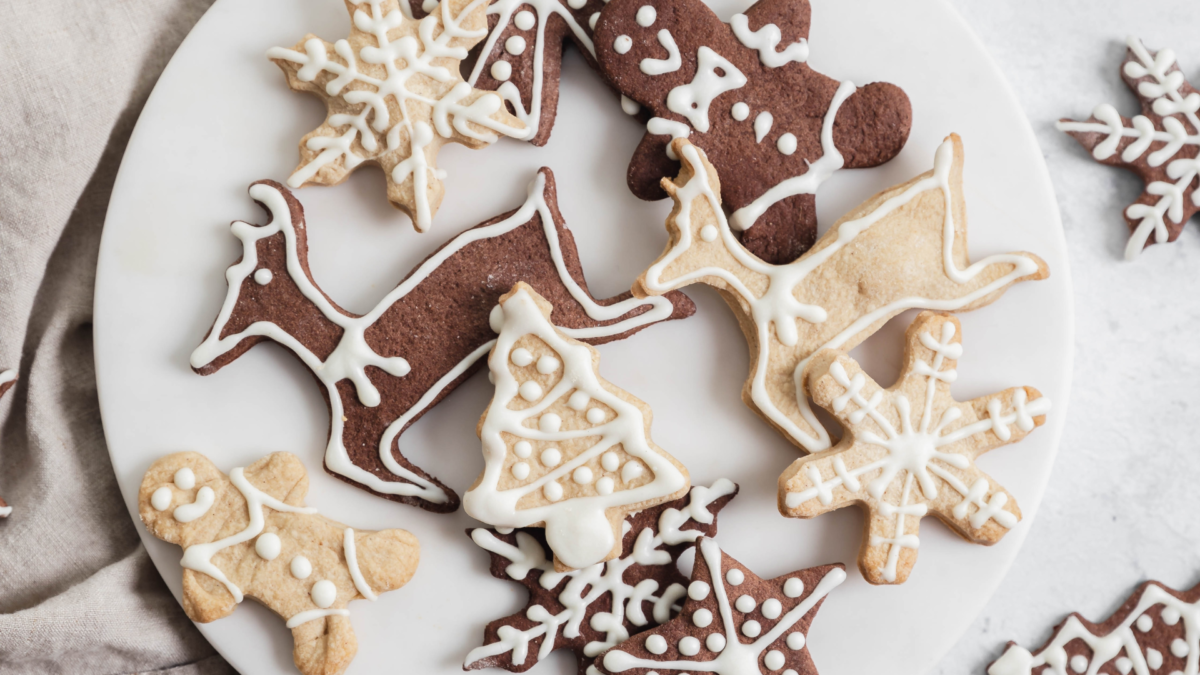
(592, 609)
(733, 622)
(249, 534)
(7, 379)
(743, 92)
(1157, 630)
(380, 372)
(1161, 145)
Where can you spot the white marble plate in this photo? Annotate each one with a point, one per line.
(221, 117)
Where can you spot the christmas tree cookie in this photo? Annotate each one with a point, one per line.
(563, 448)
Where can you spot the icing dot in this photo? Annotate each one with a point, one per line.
(646, 16)
(593, 19)
(501, 70)
(576, 4)
(610, 461)
(751, 629)
(263, 276)
(550, 423)
(1170, 616)
(698, 590)
(553, 491)
(515, 45)
(795, 641)
(1079, 663)
(268, 546)
(793, 588)
(656, 644)
(596, 415)
(496, 319)
(605, 486)
(520, 470)
(772, 608)
(551, 457)
(708, 233)
(1124, 665)
(622, 44)
(185, 479)
(1145, 623)
(1179, 648)
(630, 106)
(745, 604)
(740, 111)
(735, 577)
(786, 144)
(689, 646)
(525, 20)
(631, 471)
(578, 400)
(774, 660)
(530, 391)
(300, 567)
(715, 642)
(1154, 658)
(547, 364)
(702, 618)
(523, 449)
(161, 499)
(324, 593)
(789, 671)
(582, 475)
(521, 357)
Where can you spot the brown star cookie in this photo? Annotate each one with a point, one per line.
(592, 609)
(733, 621)
(382, 371)
(1157, 630)
(395, 97)
(1161, 145)
(774, 127)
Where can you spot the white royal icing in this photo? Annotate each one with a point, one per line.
(1176, 111)
(186, 513)
(766, 40)
(449, 115)
(579, 532)
(590, 584)
(778, 307)
(630, 106)
(667, 65)
(622, 44)
(646, 15)
(1121, 646)
(693, 99)
(660, 126)
(740, 111)
(352, 355)
(734, 657)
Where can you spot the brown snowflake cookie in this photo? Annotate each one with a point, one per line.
(521, 58)
(395, 97)
(380, 372)
(774, 127)
(249, 534)
(1161, 146)
(7, 379)
(909, 451)
(590, 610)
(1157, 630)
(733, 621)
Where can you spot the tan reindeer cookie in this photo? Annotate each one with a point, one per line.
(563, 448)
(7, 379)
(910, 450)
(904, 248)
(249, 534)
(395, 97)
(380, 372)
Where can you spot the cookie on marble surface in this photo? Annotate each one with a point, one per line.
(1161, 145)
(744, 93)
(249, 534)
(563, 448)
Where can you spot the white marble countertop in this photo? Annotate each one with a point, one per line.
(1122, 504)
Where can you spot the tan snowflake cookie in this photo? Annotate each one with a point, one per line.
(248, 534)
(563, 448)
(395, 96)
(910, 451)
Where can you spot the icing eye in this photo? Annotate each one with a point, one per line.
(263, 276)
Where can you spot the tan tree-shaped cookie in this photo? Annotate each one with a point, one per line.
(909, 451)
(563, 448)
(395, 96)
(7, 379)
(249, 535)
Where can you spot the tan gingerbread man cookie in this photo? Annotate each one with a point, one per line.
(248, 534)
